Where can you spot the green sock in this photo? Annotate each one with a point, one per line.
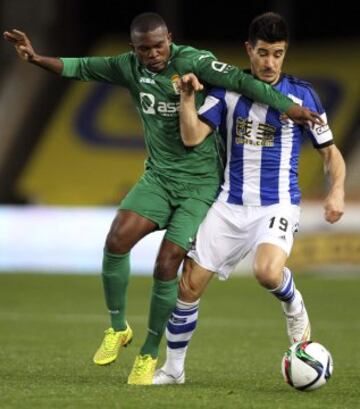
(115, 276)
(163, 301)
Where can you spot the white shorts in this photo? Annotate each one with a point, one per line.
(229, 232)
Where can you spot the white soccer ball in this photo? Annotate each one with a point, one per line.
(307, 365)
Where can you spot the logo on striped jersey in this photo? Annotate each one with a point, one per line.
(258, 134)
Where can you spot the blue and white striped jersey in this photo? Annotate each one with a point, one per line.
(262, 148)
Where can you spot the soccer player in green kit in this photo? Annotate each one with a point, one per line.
(179, 183)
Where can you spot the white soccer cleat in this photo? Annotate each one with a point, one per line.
(298, 326)
(163, 378)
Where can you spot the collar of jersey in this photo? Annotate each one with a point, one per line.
(173, 50)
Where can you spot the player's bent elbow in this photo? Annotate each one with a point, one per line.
(192, 139)
(190, 143)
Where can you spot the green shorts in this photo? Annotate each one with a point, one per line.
(177, 207)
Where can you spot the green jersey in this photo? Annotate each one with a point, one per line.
(157, 100)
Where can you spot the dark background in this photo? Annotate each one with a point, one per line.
(225, 20)
(71, 27)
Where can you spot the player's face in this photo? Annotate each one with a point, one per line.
(152, 48)
(266, 59)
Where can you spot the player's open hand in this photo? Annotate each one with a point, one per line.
(303, 116)
(22, 44)
(189, 83)
(334, 206)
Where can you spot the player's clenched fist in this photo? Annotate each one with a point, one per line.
(189, 83)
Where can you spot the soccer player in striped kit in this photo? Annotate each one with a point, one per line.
(258, 206)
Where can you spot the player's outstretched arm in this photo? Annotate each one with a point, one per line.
(334, 166)
(232, 78)
(27, 53)
(193, 130)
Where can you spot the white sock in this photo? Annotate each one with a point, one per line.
(294, 306)
(290, 297)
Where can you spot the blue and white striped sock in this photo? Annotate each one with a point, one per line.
(288, 294)
(179, 331)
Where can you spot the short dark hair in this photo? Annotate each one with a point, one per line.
(145, 22)
(269, 27)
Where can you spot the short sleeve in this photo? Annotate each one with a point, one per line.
(212, 109)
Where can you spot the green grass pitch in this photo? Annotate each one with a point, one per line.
(50, 327)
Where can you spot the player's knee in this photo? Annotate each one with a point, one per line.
(268, 274)
(167, 264)
(116, 243)
(188, 290)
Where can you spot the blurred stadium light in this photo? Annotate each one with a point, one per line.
(55, 239)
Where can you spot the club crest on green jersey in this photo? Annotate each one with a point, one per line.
(174, 80)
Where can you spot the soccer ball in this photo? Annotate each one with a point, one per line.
(307, 365)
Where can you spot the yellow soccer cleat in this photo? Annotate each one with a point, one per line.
(109, 348)
(142, 372)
